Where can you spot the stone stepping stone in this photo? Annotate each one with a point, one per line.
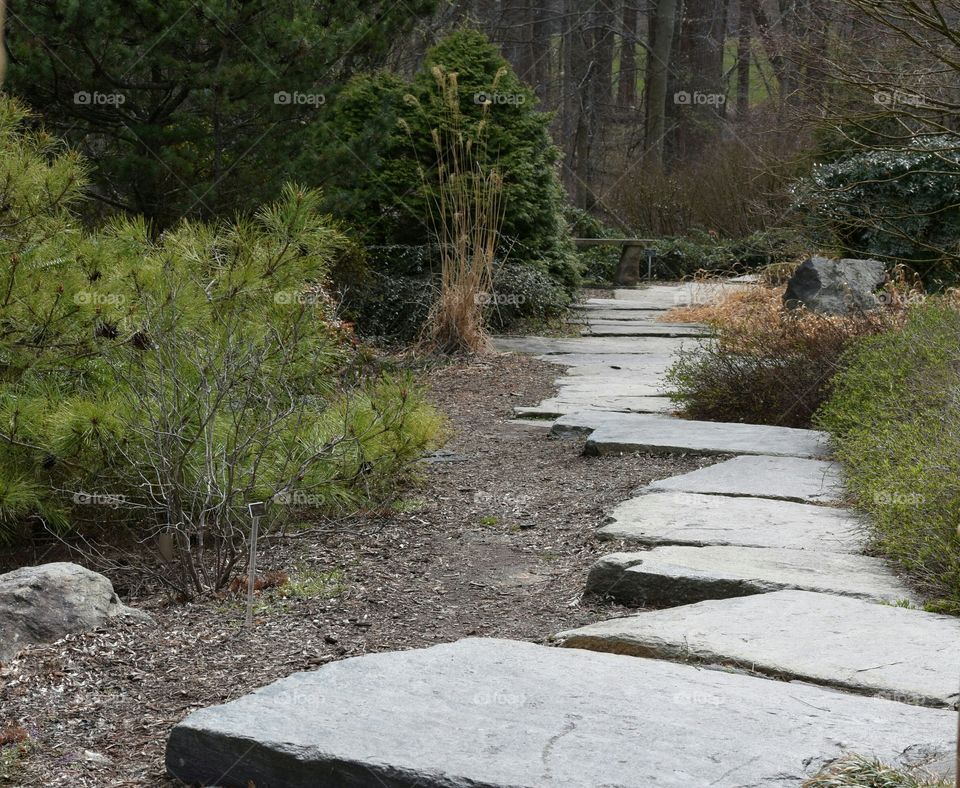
(614, 329)
(786, 478)
(600, 387)
(557, 407)
(903, 655)
(594, 346)
(585, 421)
(667, 518)
(663, 435)
(593, 304)
(507, 714)
(585, 364)
(670, 576)
(596, 314)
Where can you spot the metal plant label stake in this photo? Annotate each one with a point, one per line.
(256, 512)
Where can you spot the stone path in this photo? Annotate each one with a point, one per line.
(773, 627)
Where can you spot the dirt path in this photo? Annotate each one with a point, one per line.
(495, 542)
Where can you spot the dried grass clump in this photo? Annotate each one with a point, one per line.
(465, 197)
(768, 364)
(855, 771)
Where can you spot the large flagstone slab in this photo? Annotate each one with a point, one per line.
(499, 714)
(557, 407)
(900, 654)
(678, 575)
(616, 433)
(682, 436)
(676, 518)
(787, 478)
(595, 346)
(614, 328)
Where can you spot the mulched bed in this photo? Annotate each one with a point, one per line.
(495, 542)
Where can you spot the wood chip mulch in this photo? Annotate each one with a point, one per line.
(494, 542)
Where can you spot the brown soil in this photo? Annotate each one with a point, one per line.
(495, 542)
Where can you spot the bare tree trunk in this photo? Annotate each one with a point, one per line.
(699, 68)
(818, 23)
(744, 42)
(542, 74)
(515, 31)
(627, 81)
(3, 43)
(774, 54)
(663, 17)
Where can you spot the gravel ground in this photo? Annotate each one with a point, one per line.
(494, 542)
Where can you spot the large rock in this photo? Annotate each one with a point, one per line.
(835, 287)
(896, 653)
(41, 604)
(668, 576)
(492, 713)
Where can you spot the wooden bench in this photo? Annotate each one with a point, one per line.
(633, 252)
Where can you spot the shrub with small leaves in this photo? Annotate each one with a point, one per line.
(900, 206)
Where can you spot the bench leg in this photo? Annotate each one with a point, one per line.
(628, 272)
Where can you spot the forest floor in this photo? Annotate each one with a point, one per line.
(494, 541)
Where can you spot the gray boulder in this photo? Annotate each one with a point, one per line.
(41, 604)
(835, 287)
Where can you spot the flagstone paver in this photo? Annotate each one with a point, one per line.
(506, 714)
(677, 575)
(900, 654)
(676, 518)
(787, 478)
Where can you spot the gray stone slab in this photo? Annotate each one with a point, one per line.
(596, 346)
(670, 518)
(584, 422)
(669, 576)
(499, 714)
(616, 329)
(787, 478)
(583, 364)
(557, 407)
(640, 370)
(683, 436)
(904, 655)
(605, 387)
(617, 313)
(593, 304)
